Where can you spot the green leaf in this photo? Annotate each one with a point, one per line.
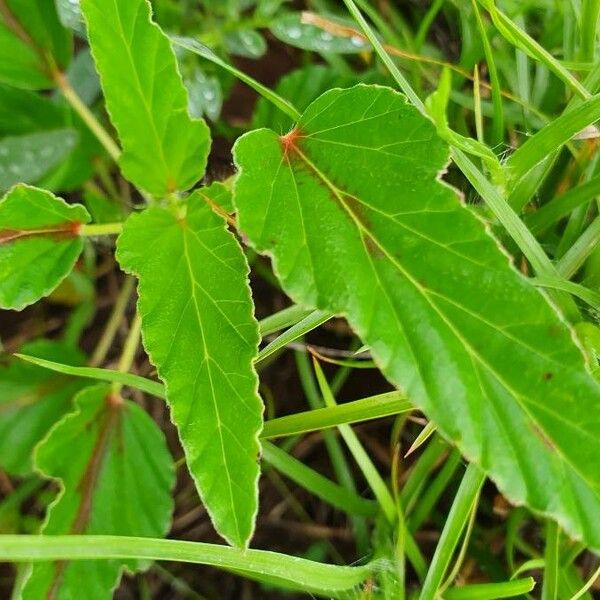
(27, 158)
(217, 194)
(26, 112)
(291, 30)
(33, 43)
(32, 400)
(69, 13)
(302, 86)
(350, 208)
(199, 331)
(39, 244)
(116, 478)
(164, 150)
(205, 95)
(245, 42)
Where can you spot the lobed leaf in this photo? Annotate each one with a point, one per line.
(32, 400)
(116, 477)
(164, 150)
(199, 331)
(39, 244)
(350, 207)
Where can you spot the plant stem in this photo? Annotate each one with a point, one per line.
(112, 325)
(87, 116)
(129, 350)
(101, 229)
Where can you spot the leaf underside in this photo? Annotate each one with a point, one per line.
(198, 329)
(350, 208)
(116, 476)
(39, 244)
(164, 150)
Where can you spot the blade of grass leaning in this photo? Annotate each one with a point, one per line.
(333, 445)
(515, 227)
(590, 582)
(423, 436)
(497, 133)
(419, 473)
(308, 323)
(316, 483)
(297, 573)
(374, 479)
(577, 254)
(284, 318)
(491, 591)
(458, 516)
(528, 186)
(373, 407)
(366, 409)
(589, 296)
(552, 137)
(522, 40)
(153, 388)
(562, 205)
(433, 492)
(551, 562)
(203, 51)
(384, 56)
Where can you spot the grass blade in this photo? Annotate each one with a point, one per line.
(135, 381)
(520, 39)
(380, 489)
(552, 137)
(308, 323)
(560, 206)
(315, 483)
(577, 254)
(491, 591)
(457, 519)
(366, 409)
(297, 573)
(196, 47)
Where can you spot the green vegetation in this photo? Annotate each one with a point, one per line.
(369, 289)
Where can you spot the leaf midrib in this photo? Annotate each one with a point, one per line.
(339, 194)
(207, 358)
(132, 63)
